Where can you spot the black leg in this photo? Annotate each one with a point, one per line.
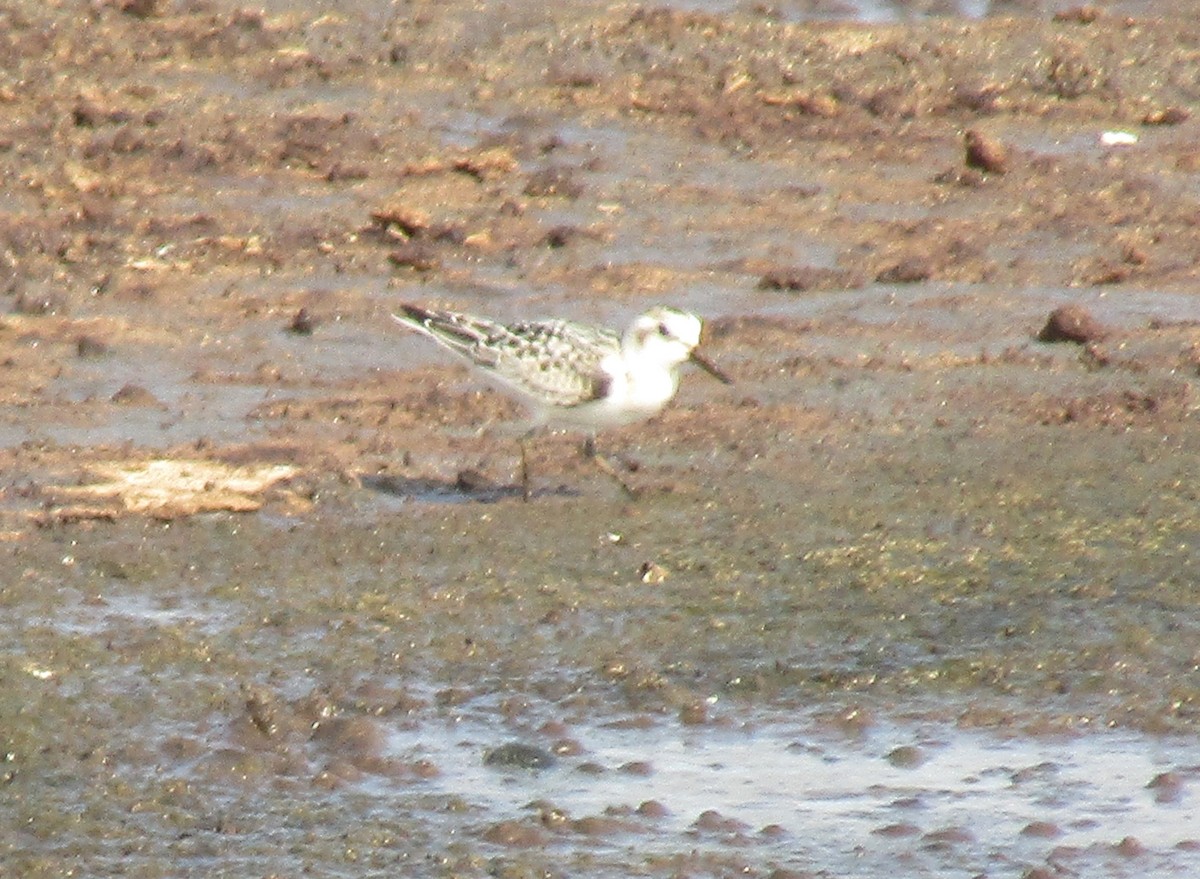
(526, 491)
(605, 465)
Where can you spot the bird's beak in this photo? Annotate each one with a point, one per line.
(710, 368)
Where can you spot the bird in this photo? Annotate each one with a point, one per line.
(574, 375)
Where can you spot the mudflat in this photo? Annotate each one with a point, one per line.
(273, 602)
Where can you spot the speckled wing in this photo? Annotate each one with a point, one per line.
(555, 362)
(552, 362)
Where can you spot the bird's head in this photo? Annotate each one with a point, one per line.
(668, 336)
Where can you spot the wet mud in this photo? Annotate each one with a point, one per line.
(918, 589)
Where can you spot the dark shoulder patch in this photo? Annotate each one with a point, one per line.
(601, 385)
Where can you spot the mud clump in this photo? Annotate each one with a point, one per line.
(801, 279)
(985, 153)
(302, 323)
(518, 755)
(1072, 323)
(909, 270)
(130, 394)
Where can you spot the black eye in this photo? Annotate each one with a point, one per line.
(663, 331)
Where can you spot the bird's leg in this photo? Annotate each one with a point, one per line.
(526, 491)
(589, 452)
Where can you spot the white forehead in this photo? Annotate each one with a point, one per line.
(680, 324)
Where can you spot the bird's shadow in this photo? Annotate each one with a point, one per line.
(468, 487)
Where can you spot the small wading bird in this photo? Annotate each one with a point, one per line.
(573, 375)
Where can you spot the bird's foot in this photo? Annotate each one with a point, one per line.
(605, 465)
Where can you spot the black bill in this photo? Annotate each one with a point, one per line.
(710, 368)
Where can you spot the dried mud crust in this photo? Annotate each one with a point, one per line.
(140, 154)
(191, 178)
(160, 175)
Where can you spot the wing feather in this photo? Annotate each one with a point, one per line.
(557, 361)
(552, 362)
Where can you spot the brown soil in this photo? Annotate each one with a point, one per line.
(906, 503)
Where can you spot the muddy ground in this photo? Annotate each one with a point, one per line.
(251, 529)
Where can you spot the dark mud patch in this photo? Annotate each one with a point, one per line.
(469, 486)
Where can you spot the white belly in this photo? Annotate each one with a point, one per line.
(632, 397)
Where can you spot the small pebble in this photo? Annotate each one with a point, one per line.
(470, 480)
(652, 573)
(1072, 323)
(133, 395)
(909, 270)
(1167, 787)
(514, 834)
(906, 757)
(518, 755)
(1166, 116)
(711, 819)
(949, 836)
(985, 153)
(90, 346)
(1041, 829)
(653, 809)
(1130, 847)
(302, 323)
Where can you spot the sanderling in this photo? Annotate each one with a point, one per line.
(573, 375)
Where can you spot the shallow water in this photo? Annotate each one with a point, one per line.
(266, 691)
(937, 798)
